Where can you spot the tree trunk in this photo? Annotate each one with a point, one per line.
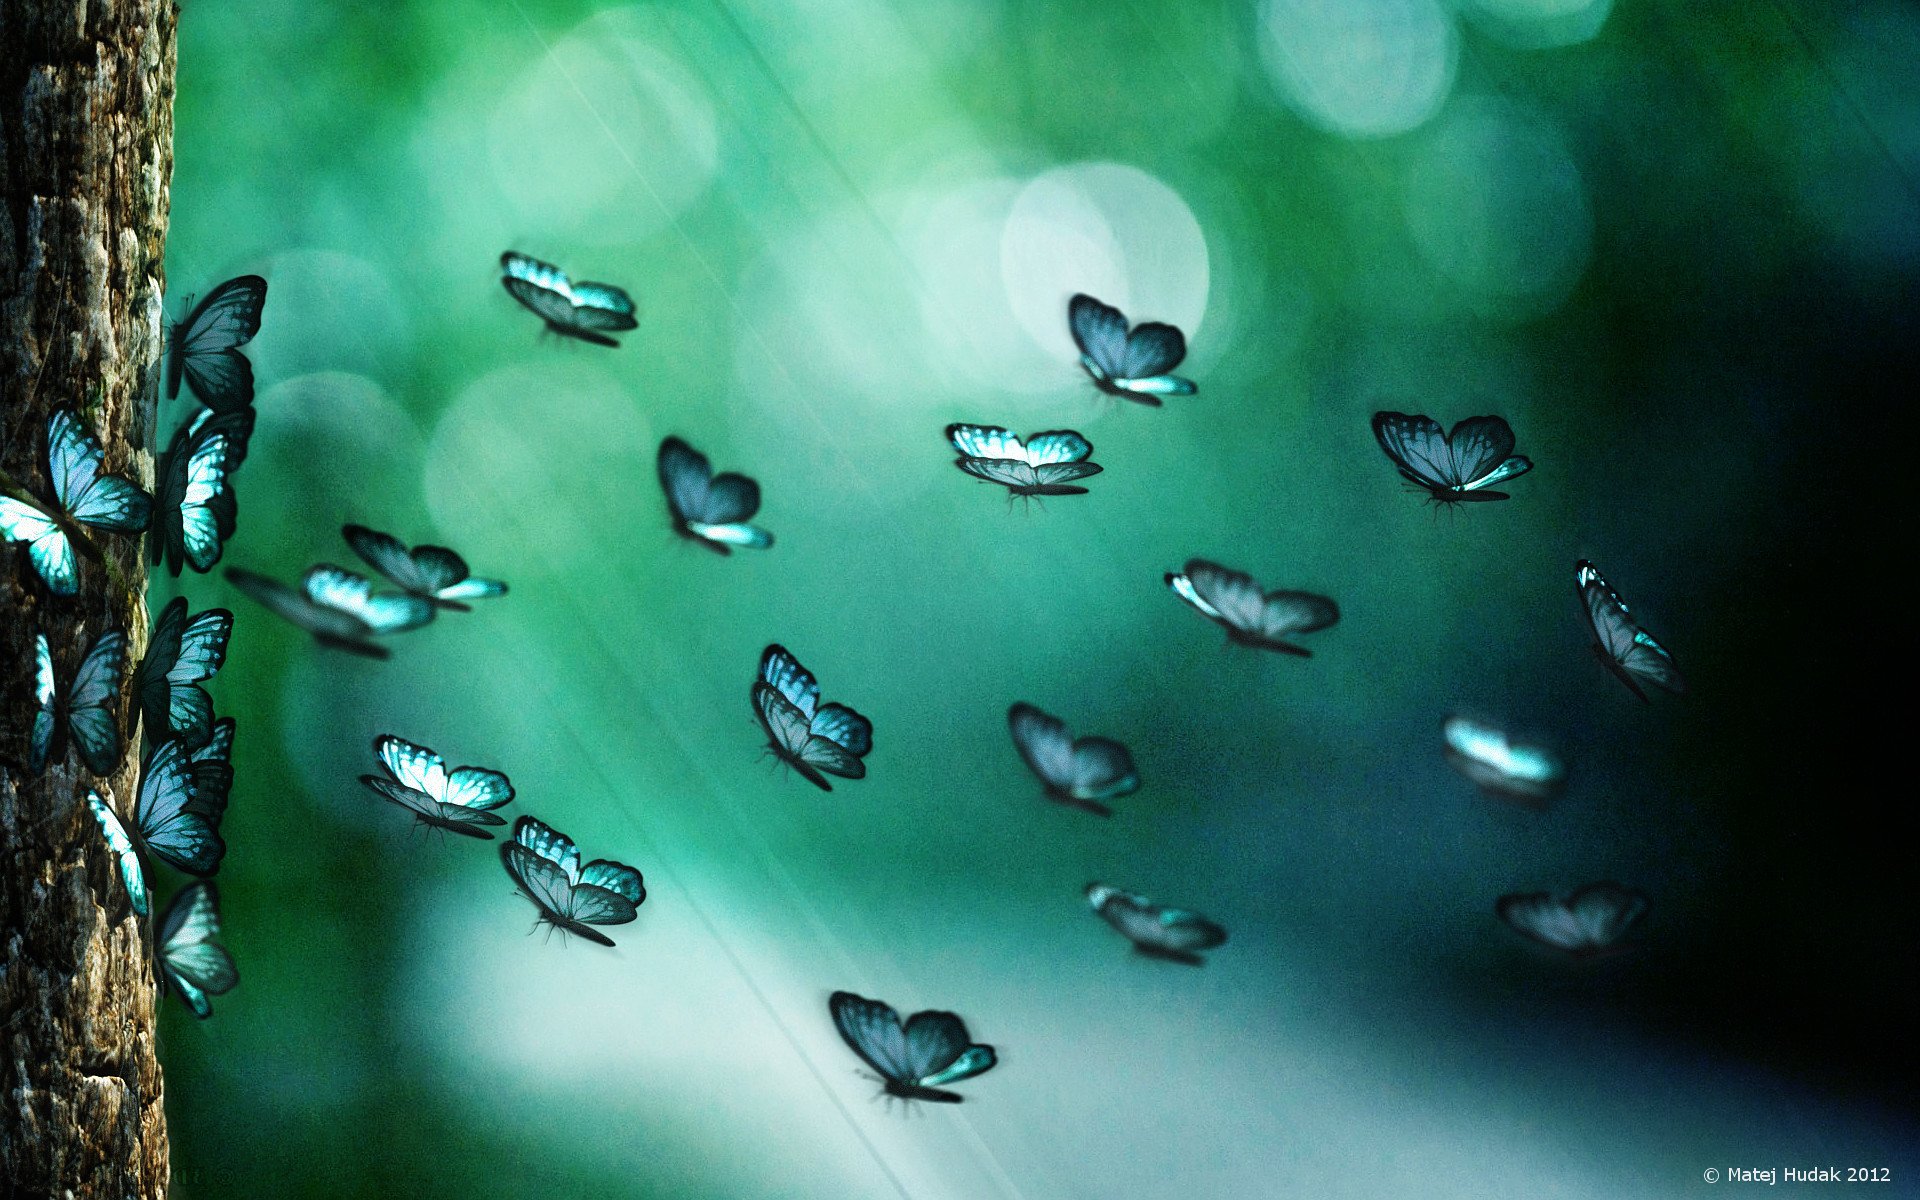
(86, 155)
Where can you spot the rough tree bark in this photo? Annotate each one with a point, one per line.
(86, 155)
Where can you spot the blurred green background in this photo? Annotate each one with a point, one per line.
(1675, 245)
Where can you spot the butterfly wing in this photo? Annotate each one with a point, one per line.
(986, 441)
(1231, 598)
(1101, 770)
(1605, 911)
(685, 475)
(205, 347)
(548, 886)
(1057, 446)
(940, 1052)
(550, 844)
(1153, 349)
(1101, 333)
(47, 741)
(381, 613)
(844, 727)
(783, 671)
(1481, 450)
(132, 877)
(47, 545)
(1488, 757)
(872, 1030)
(172, 826)
(1044, 745)
(1012, 473)
(1283, 614)
(180, 655)
(330, 626)
(91, 703)
(88, 494)
(387, 555)
(602, 306)
(1418, 447)
(618, 878)
(213, 770)
(1632, 653)
(789, 734)
(192, 960)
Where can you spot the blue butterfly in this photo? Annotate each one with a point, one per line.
(1043, 465)
(709, 510)
(1130, 364)
(914, 1060)
(193, 963)
(1501, 765)
(808, 736)
(1585, 923)
(418, 780)
(1624, 648)
(1080, 772)
(1170, 933)
(433, 573)
(1263, 620)
(205, 348)
(337, 607)
(570, 897)
(84, 493)
(85, 710)
(194, 506)
(181, 655)
(1452, 467)
(170, 822)
(588, 311)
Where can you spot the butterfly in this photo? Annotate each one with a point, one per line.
(1044, 465)
(205, 348)
(1235, 602)
(433, 573)
(337, 607)
(1131, 364)
(808, 736)
(193, 963)
(588, 311)
(84, 711)
(1170, 933)
(914, 1060)
(170, 821)
(418, 780)
(194, 505)
(181, 654)
(546, 865)
(1081, 772)
(1452, 467)
(1624, 648)
(85, 494)
(709, 510)
(213, 769)
(1499, 764)
(1584, 923)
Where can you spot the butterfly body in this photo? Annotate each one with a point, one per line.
(1630, 653)
(1155, 930)
(1080, 772)
(1134, 364)
(204, 349)
(814, 739)
(586, 311)
(1045, 464)
(1452, 468)
(1253, 618)
(432, 573)
(914, 1059)
(707, 509)
(1501, 765)
(83, 712)
(458, 800)
(340, 609)
(193, 963)
(1588, 922)
(546, 865)
(84, 495)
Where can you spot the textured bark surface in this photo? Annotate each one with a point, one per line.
(86, 152)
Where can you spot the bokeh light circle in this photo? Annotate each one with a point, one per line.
(1360, 68)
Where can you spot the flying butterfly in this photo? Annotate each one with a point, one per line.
(433, 573)
(1585, 923)
(170, 822)
(340, 609)
(1044, 465)
(83, 711)
(84, 495)
(195, 511)
(709, 510)
(1452, 467)
(1624, 648)
(418, 780)
(1263, 620)
(1133, 364)
(570, 897)
(807, 735)
(588, 311)
(181, 655)
(1170, 933)
(917, 1059)
(204, 349)
(1502, 765)
(1081, 772)
(193, 963)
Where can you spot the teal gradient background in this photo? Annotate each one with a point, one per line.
(1675, 245)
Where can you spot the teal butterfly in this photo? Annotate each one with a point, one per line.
(1136, 364)
(709, 510)
(433, 573)
(340, 609)
(181, 655)
(1451, 467)
(1081, 772)
(1045, 464)
(1251, 617)
(1587, 922)
(1501, 765)
(193, 963)
(83, 711)
(915, 1059)
(85, 495)
(588, 311)
(1156, 930)
(204, 349)
(213, 770)
(195, 510)
(170, 821)
(1632, 654)
(570, 897)
(418, 780)
(807, 735)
